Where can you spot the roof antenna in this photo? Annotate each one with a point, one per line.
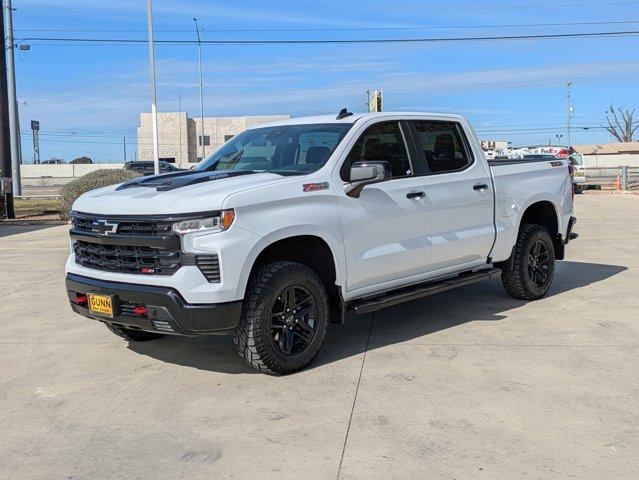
(343, 113)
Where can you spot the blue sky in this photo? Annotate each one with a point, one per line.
(87, 97)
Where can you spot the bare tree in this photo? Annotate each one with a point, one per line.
(622, 128)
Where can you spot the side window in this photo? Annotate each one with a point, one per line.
(442, 146)
(316, 147)
(382, 141)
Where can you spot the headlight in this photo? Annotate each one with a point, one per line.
(215, 224)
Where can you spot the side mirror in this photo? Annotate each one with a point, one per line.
(366, 173)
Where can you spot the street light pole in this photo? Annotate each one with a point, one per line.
(199, 50)
(154, 111)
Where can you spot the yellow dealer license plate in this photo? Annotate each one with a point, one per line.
(100, 304)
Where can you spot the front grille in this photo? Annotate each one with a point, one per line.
(85, 224)
(209, 265)
(127, 258)
(139, 245)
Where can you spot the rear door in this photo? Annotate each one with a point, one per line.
(461, 195)
(386, 227)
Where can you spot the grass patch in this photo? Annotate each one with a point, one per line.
(36, 207)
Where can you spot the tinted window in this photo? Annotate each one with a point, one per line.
(287, 149)
(442, 145)
(382, 141)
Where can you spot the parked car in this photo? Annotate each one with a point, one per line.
(289, 226)
(148, 168)
(579, 172)
(52, 161)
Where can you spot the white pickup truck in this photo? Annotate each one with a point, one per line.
(290, 225)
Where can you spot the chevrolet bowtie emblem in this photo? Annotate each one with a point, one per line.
(103, 227)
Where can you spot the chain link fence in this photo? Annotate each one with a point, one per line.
(619, 178)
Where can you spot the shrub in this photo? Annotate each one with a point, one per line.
(97, 179)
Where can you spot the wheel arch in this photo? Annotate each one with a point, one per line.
(312, 249)
(540, 211)
(545, 213)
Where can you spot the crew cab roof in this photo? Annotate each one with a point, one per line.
(316, 119)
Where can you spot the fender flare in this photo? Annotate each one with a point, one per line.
(290, 232)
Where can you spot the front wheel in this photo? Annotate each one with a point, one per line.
(284, 318)
(533, 266)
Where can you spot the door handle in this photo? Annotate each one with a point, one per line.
(415, 194)
(480, 186)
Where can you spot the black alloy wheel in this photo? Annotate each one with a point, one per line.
(533, 264)
(284, 318)
(538, 263)
(293, 320)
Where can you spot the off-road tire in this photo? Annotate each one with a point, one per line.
(517, 281)
(252, 336)
(133, 335)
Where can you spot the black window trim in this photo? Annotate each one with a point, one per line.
(408, 145)
(420, 151)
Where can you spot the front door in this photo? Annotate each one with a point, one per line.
(386, 228)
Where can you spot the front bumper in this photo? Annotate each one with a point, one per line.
(166, 311)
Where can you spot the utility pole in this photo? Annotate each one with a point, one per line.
(199, 49)
(154, 110)
(5, 137)
(570, 110)
(124, 146)
(14, 126)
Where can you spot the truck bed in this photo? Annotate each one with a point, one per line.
(521, 182)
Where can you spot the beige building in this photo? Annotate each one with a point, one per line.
(179, 135)
(608, 155)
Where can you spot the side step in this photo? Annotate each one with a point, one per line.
(414, 292)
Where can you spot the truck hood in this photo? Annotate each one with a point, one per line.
(179, 192)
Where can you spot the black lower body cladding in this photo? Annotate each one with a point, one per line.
(160, 309)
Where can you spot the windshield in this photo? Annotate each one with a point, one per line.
(576, 160)
(286, 149)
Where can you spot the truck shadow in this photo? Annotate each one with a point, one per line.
(484, 301)
(16, 228)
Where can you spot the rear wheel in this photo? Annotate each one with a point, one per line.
(284, 318)
(533, 266)
(131, 334)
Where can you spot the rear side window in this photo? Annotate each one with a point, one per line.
(383, 141)
(442, 145)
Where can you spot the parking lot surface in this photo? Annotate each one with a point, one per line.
(465, 384)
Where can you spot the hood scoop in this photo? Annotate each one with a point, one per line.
(171, 181)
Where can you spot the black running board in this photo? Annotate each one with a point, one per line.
(414, 292)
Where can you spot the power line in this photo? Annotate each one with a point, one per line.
(336, 29)
(533, 6)
(123, 41)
